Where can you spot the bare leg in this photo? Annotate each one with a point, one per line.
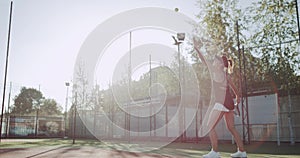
(229, 118)
(215, 117)
(214, 139)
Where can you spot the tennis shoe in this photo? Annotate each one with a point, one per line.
(239, 154)
(212, 154)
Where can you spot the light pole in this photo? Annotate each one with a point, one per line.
(6, 68)
(37, 104)
(180, 38)
(66, 110)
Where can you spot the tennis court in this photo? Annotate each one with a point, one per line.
(37, 148)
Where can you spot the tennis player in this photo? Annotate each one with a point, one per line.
(223, 106)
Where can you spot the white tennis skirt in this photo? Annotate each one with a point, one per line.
(220, 107)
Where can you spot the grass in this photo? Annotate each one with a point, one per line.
(192, 150)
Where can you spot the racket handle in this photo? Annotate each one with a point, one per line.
(237, 110)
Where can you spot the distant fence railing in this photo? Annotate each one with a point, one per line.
(287, 129)
(32, 126)
(263, 131)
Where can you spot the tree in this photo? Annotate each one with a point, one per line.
(80, 87)
(274, 42)
(30, 99)
(50, 107)
(161, 75)
(24, 102)
(216, 33)
(217, 26)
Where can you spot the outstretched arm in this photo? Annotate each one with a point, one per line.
(200, 54)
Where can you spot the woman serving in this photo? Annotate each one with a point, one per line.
(223, 104)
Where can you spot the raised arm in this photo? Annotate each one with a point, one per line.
(200, 54)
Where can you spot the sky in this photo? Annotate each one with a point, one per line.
(46, 37)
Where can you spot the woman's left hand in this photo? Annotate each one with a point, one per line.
(238, 99)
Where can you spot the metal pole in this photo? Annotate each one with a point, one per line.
(6, 66)
(181, 121)
(150, 84)
(129, 68)
(36, 122)
(246, 96)
(66, 106)
(74, 118)
(184, 110)
(179, 92)
(292, 141)
(241, 80)
(196, 124)
(129, 84)
(7, 114)
(179, 68)
(167, 121)
(298, 24)
(278, 119)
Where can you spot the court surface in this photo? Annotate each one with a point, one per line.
(55, 148)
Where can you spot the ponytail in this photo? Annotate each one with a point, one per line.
(228, 64)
